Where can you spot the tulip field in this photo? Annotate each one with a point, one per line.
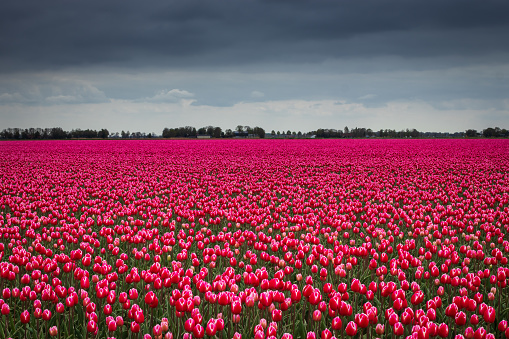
(254, 239)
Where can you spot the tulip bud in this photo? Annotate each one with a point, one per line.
(263, 322)
(53, 331)
(380, 329)
(469, 333)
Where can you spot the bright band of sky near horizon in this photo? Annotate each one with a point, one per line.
(282, 65)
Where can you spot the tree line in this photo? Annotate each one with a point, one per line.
(490, 132)
(52, 133)
(213, 132)
(245, 132)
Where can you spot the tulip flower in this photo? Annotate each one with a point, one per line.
(277, 315)
(351, 329)
(25, 317)
(489, 315)
(53, 331)
(337, 323)
(480, 333)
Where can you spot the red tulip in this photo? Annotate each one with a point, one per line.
(398, 329)
(362, 320)
(337, 323)
(133, 294)
(469, 333)
(460, 318)
(25, 317)
(277, 315)
(480, 333)
(5, 309)
(92, 327)
(351, 329)
(85, 283)
(502, 325)
(211, 328)
(443, 330)
(393, 319)
(317, 315)
(489, 315)
(423, 333)
(219, 324)
(236, 307)
(326, 334)
(451, 310)
(112, 326)
(46, 315)
(198, 331)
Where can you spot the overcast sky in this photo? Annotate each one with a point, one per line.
(301, 65)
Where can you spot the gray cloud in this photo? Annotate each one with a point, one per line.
(48, 90)
(56, 33)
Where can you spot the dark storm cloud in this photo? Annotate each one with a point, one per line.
(52, 34)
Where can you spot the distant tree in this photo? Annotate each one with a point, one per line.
(239, 128)
(210, 131)
(6, 134)
(217, 132)
(202, 131)
(58, 133)
(489, 132)
(228, 133)
(346, 130)
(471, 133)
(273, 132)
(103, 134)
(278, 133)
(496, 132)
(358, 132)
(260, 132)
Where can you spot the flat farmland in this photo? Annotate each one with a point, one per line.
(254, 238)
